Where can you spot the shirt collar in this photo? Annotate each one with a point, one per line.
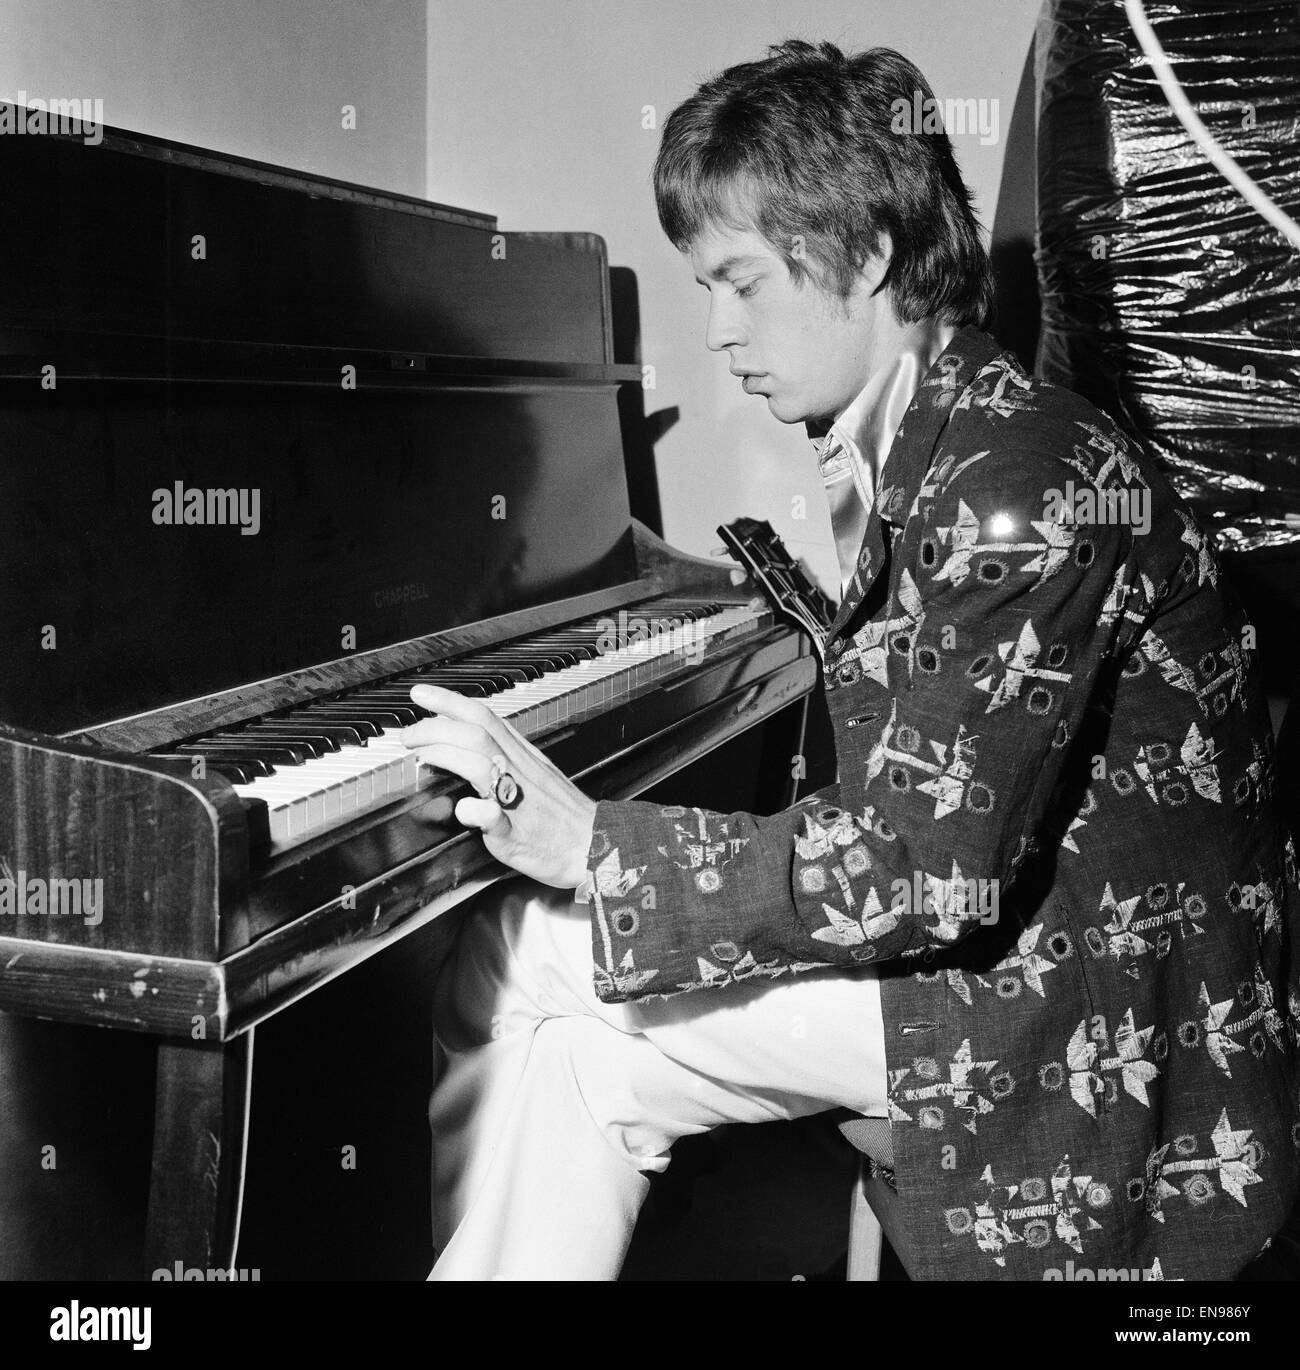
(866, 427)
(853, 452)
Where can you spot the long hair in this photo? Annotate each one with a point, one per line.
(803, 147)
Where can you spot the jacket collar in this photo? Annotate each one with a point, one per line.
(938, 394)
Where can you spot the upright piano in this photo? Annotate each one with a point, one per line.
(276, 448)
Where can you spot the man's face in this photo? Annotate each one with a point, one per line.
(807, 352)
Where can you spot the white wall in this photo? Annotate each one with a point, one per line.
(535, 114)
(259, 78)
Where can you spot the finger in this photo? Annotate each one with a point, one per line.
(452, 705)
(484, 815)
(429, 732)
(469, 765)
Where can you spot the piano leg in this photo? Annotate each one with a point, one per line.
(200, 1132)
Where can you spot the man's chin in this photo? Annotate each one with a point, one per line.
(783, 411)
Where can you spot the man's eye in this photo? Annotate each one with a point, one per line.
(745, 291)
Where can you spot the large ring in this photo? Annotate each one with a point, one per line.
(503, 787)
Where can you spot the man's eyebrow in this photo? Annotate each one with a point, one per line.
(728, 265)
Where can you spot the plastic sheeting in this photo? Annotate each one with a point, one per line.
(1167, 300)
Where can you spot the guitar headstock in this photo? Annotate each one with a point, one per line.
(756, 546)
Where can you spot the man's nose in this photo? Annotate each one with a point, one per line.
(723, 329)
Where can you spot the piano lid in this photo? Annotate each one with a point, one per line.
(256, 421)
(140, 238)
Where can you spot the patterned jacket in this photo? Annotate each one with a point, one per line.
(1053, 833)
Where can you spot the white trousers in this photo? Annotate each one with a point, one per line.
(551, 1106)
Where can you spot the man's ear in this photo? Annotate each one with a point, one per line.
(873, 270)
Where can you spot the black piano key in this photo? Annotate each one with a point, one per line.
(400, 694)
(574, 634)
(315, 746)
(570, 652)
(259, 765)
(317, 734)
(239, 769)
(273, 753)
(240, 772)
(535, 666)
(401, 706)
(544, 640)
(277, 753)
(471, 669)
(676, 608)
(401, 688)
(681, 610)
(392, 713)
(262, 765)
(560, 635)
(384, 716)
(333, 715)
(515, 669)
(572, 655)
(255, 744)
(493, 681)
(509, 655)
(343, 733)
(581, 648)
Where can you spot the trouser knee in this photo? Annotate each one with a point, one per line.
(482, 989)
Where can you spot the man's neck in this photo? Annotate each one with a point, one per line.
(922, 340)
(889, 340)
(864, 430)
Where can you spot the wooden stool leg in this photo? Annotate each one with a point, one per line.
(200, 1132)
(866, 1237)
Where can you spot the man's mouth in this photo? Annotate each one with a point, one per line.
(751, 380)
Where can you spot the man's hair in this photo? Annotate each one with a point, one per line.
(801, 148)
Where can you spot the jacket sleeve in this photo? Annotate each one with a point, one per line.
(1013, 617)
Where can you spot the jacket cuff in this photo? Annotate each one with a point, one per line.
(631, 948)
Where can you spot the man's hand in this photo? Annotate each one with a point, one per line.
(545, 831)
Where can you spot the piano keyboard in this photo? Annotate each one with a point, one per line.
(323, 764)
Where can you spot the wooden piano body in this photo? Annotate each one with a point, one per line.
(428, 411)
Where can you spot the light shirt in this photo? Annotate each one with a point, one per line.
(851, 456)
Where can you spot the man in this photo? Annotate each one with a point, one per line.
(1044, 920)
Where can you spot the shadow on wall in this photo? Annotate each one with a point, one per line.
(1017, 306)
(641, 431)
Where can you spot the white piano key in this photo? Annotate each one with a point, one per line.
(322, 792)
